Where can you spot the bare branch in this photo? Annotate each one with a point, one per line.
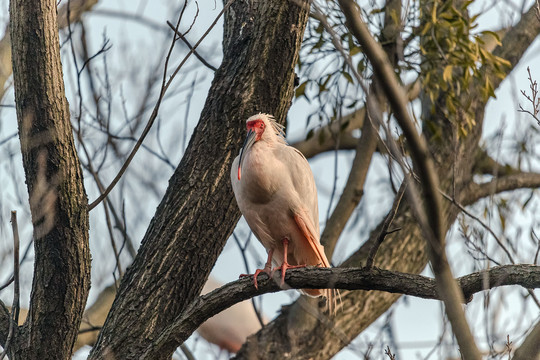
(164, 86)
(386, 224)
(14, 318)
(520, 180)
(426, 171)
(484, 164)
(353, 191)
(197, 55)
(534, 99)
(314, 146)
(517, 40)
(218, 300)
(77, 9)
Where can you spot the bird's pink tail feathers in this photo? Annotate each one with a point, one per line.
(330, 294)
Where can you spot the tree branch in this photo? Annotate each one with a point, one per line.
(354, 188)
(530, 348)
(517, 40)
(333, 131)
(58, 201)
(202, 308)
(520, 180)
(198, 212)
(425, 169)
(166, 82)
(486, 165)
(314, 146)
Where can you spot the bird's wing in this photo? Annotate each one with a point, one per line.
(305, 212)
(304, 185)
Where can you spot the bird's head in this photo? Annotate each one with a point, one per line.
(256, 126)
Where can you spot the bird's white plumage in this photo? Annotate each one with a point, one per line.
(277, 191)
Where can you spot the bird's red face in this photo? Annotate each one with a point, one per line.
(255, 129)
(257, 126)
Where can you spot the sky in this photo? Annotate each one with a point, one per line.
(416, 323)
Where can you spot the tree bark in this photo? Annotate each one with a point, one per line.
(198, 212)
(58, 201)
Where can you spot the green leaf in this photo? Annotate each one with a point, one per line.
(426, 29)
(322, 137)
(348, 76)
(301, 90)
(447, 74)
(494, 35)
(354, 50)
(434, 13)
(310, 134)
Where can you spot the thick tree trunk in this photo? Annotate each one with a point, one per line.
(58, 201)
(198, 212)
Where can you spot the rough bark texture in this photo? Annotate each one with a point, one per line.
(198, 211)
(210, 304)
(58, 201)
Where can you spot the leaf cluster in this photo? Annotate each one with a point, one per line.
(325, 78)
(454, 59)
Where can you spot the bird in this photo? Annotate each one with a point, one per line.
(275, 190)
(230, 328)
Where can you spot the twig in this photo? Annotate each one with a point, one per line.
(197, 55)
(243, 253)
(164, 86)
(388, 352)
(154, 25)
(508, 346)
(387, 222)
(14, 318)
(534, 99)
(476, 218)
(425, 168)
(90, 329)
(537, 247)
(499, 242)
(8, 138)
(103, 49)
(187, 352)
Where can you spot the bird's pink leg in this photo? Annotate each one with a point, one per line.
(285, 265)
(267, 269)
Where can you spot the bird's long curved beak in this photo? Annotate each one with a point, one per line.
(250, 139)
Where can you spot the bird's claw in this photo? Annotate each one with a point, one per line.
(283, 269)
(266, 270)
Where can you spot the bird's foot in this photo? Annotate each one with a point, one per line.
(266, 270)
(284, 268)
